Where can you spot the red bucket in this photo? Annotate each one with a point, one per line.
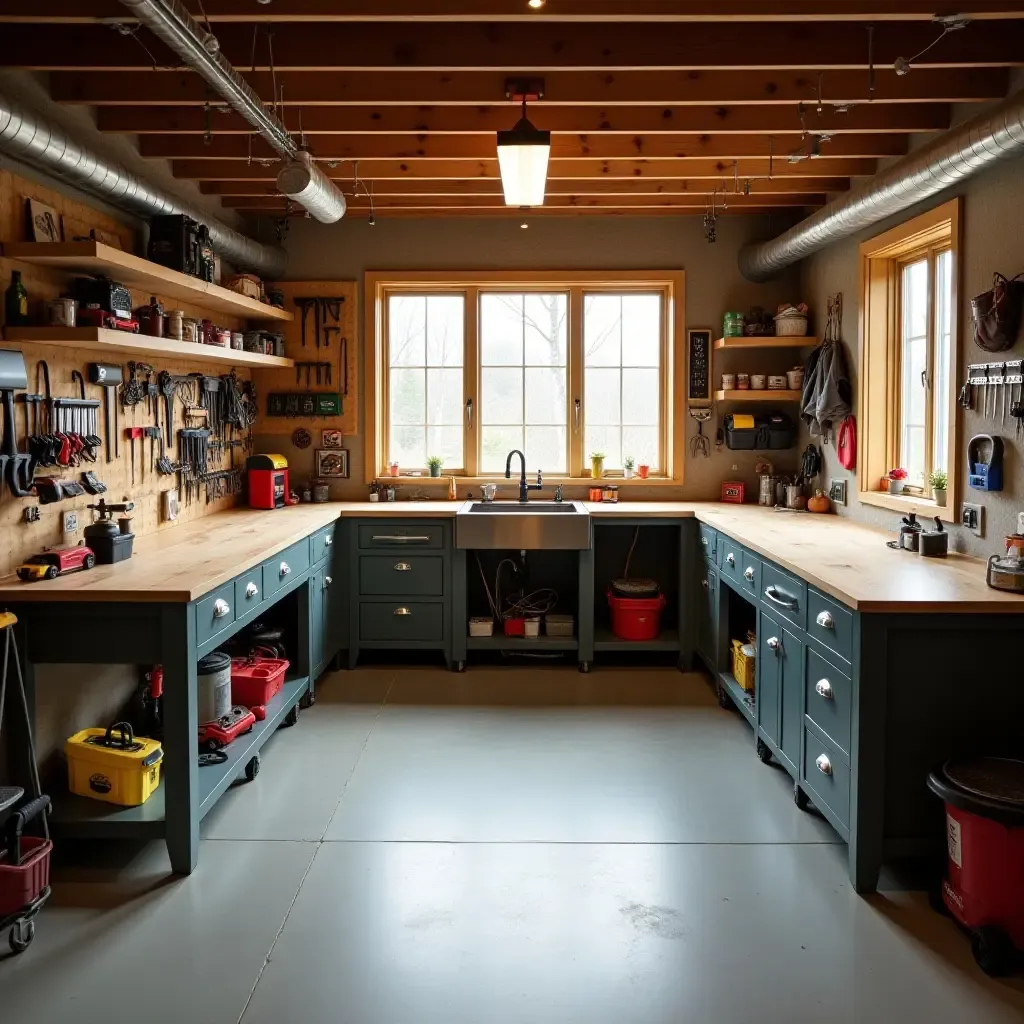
(21, 883)
(636, 618)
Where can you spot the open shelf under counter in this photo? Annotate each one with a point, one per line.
(134, 271)
(764, 341)
(606, 640)
(100, 339)
(736, 395)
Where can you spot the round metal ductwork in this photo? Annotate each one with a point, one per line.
(304, 182)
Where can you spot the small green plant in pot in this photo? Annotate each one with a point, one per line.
(434, 464)
(938, 480)
(628, 466)
(597, 464)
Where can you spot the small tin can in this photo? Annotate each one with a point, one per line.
(237, 338)
(742, 381)
(174, 324)
(321, 491)
(189, 329)
(728, 381)
(757, 382)
(61, 312)
(222, 337)
(611, 493)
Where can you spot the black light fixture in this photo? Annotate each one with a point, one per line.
(523, 151)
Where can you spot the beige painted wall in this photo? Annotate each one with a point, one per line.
(713, 285)
(993, 240)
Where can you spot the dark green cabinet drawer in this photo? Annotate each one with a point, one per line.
(784, 594)
(248, 591)
(284, 567)
(730, 558)
(830, 623)
(387, 534)
(829, 699)
(708, 539)
(401, 620)
(826, 776)
(751, 578)
(320, 544)
(412, 575)
(215, 612)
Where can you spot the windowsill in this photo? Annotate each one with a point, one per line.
(550, 482)
(909, 503)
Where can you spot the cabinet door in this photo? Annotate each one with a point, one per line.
(333, 613)
(707, 614)
(316, 616)
(791, 720)
(769, 675)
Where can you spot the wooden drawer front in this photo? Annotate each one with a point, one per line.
(284, 567)
(785, 595)
(826, 776)
(730, 558)
(708, 542)
(215, 612)
(388, 534)
(830, 623)
(248, 591)
(412, 575)
(401, 620)
(751, 576)
(321, 544)
(829, 700)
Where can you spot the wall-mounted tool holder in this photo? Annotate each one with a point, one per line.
(998, 386)
(304, 403)
(985, 463)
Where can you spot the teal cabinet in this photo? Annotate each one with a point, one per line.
(769, 678)
(706, 609)
(317, 604)
(780, 689)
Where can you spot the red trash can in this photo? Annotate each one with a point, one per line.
(984, 884)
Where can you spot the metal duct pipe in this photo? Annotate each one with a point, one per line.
(26, 136)
(960, 153)
(171, 22)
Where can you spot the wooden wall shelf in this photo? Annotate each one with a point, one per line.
(135, 272)
(736, 395)
(770, 341)
(99, 339)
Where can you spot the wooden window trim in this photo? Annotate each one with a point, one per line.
(671, 283)
(880, 333)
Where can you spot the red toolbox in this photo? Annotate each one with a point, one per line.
(255, 681)
(24, 860)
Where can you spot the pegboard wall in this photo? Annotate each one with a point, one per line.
(342, 343)
(18, 538)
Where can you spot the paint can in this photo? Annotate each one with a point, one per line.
(213, 678)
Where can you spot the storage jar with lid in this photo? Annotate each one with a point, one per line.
(175, 324)
(189, 329)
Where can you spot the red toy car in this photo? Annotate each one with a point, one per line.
(51, 564)
(218, 734)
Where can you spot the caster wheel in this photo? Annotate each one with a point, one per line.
(584, 667)
(993, 951)
(800, 798)
(724, 701)
(210, 746)
(292, 718)
(22, 934)
(252, 769)
(764, 752)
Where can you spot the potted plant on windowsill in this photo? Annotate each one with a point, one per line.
(628, 466)
(642, 470)
(434, 464)
(897, 480)
(597, 464)
(939, 481)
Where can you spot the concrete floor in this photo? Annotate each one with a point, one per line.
(509, 845)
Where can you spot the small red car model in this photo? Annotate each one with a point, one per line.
(219, 733)
(51, 564)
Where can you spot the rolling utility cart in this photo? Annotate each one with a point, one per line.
(24, 860)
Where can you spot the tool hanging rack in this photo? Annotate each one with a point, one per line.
(997, 382)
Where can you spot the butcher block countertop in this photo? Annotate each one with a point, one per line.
(848, 561)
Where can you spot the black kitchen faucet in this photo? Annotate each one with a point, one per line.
(524, 487)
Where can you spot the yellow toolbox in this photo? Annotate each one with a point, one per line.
(744, 662)
(113, 765)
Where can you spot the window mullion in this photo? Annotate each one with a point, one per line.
(471, 382)
(930, 349)
(574, 393)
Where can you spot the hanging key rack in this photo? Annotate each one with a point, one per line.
(1001, 388)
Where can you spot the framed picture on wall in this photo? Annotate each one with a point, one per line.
(332, 463)
(331, 438)
(43, 222)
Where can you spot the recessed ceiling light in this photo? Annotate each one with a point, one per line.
(535, 4)
(524, 225)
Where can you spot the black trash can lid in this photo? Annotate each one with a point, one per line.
(993, 778)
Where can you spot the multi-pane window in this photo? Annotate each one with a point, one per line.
(467, 368)
(925, 330)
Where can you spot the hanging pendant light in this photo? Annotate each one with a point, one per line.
(523, 161)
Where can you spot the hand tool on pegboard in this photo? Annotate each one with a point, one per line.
(107, 376)
(16, 466)
(133, 434)
(322, 371)
(306, 304)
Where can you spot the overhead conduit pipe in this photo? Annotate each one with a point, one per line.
(950, 158)
(30, 138)
(300, 179)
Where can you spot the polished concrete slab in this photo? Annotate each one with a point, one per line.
(508, 845)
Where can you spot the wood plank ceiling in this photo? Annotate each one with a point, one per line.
(657, 106)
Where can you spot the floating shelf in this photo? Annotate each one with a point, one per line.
(102, 340)
(765, 341)
(133, 271)
(735, 395)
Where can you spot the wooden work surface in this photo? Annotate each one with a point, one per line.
(183, 563)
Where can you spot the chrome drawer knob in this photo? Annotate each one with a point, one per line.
(221, 608)
(328, 540)
(749, 574)
(328, 580)
(824, 689)
(402, 611)
(252, 590)
(730, 558)
(402, 567)
(825, 620)
(823, 764)
(285, 569)
(704, 541)
(773, 643)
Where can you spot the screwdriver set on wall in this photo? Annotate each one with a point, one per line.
(996, 390)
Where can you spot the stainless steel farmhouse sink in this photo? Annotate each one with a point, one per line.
(523, 526)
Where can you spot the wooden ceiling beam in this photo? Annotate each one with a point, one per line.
(461, 170)
(575, 88)
(539, 47)
(82, 12)
(483, 147)
(321, 121)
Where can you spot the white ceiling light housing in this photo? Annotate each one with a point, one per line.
(523, 154)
